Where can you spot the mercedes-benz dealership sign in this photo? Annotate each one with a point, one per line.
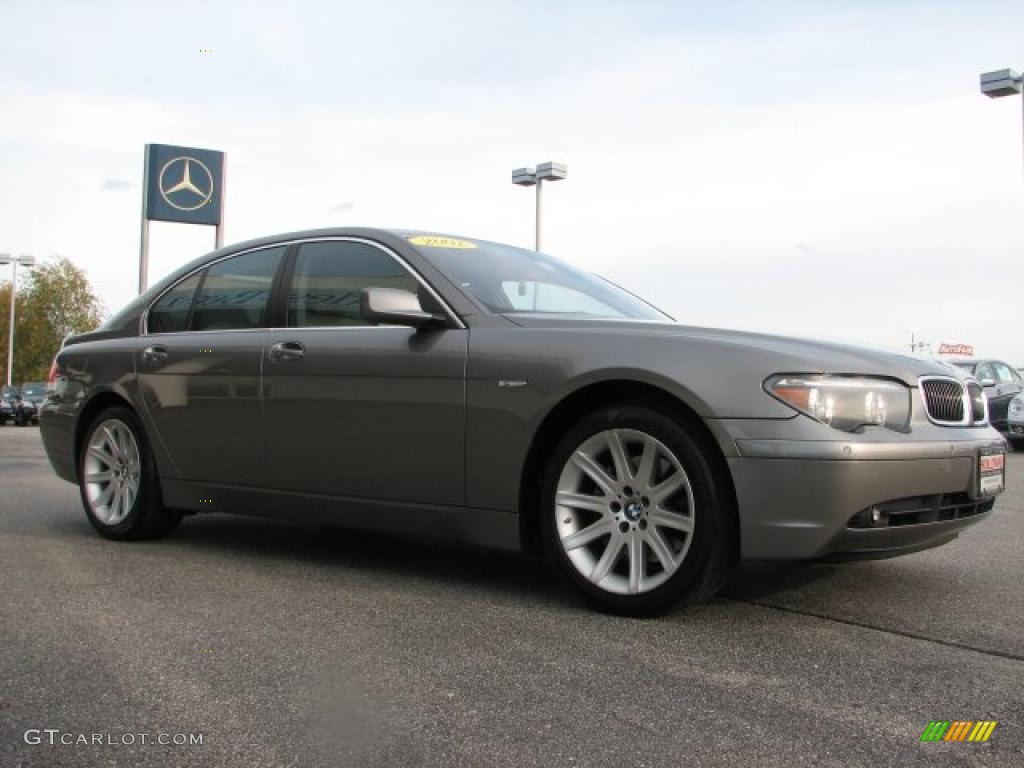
(183, 185)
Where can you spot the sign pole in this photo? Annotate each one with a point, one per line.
(144, 238)
(144, 256)
(218, 235)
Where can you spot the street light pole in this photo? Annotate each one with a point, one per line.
(537, 218)
(25, 261)
(529, 177)
(1004, 82)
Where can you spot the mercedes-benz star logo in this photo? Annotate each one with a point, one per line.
(186, 194)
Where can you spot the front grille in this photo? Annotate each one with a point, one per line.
(978, 403)
(915, 510)
(944, 399)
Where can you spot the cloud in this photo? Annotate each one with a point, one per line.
(117, 185)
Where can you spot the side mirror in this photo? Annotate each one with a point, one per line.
(987, 382)
(393, 306)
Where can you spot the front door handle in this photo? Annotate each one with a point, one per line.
(155, 355)
(283, 351)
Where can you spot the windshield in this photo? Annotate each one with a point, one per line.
(510, 280)
(969, 367)
(33, 390)
(9, 393)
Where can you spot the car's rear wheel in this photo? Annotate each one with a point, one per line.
(633, 514)
(118, 479)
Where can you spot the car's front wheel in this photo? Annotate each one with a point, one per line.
(633, 513)
(118, 479)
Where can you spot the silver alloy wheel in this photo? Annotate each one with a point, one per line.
(625, 511)
(112, 471)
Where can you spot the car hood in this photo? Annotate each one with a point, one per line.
(775, 353)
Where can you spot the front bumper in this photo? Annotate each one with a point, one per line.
(803, 498)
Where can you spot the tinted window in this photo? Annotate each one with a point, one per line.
(329, 277)
(234, 292)
(984, 371)
(170, 313)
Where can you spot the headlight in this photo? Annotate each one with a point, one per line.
(844, 402)
(1017, 406)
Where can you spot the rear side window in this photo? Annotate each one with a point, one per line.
(329, 277)
(233, 293)
(170, 313)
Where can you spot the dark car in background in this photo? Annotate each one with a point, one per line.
(1002, 383)
(1015, 422)
(30, 398)
(8, 403)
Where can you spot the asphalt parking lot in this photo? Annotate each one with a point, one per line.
(298, 646)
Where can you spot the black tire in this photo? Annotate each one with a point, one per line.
(712, 553)
(147, 518)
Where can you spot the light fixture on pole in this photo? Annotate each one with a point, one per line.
(1002, 82)
(529, 177)
(25, 261)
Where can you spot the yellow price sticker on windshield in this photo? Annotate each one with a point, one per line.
(435, 241)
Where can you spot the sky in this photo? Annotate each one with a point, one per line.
(825, 169)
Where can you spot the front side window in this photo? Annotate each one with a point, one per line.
(329, 277)
(984, 372)
(234, 292)
(1005, 374)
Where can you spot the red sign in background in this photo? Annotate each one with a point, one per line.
(956, 349)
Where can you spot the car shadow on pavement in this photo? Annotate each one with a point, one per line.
(440, 561)
(276, 543)
(383, 553)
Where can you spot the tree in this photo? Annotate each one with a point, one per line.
(54, 300)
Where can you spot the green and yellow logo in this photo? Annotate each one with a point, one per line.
(959, 730)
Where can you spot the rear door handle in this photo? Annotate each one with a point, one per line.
(283, 351)
(155, 355)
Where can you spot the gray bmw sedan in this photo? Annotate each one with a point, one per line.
(461, 388)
